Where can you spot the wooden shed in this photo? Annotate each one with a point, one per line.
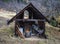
(26, 18)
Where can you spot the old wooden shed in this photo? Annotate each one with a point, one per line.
(26, 18)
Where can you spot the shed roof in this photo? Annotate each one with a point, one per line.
(33, 7)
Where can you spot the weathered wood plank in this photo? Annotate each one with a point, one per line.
(29, 20)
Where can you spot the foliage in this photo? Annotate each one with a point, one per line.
(5, 0)
(53, 22)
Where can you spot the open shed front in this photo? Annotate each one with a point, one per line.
(29, 28)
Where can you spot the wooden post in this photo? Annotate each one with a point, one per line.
(16, 29)
(19, 33)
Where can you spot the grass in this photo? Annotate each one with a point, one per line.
(58, 19)
(7, 30)
(52, 32)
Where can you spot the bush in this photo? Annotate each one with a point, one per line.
(6, 0)
(53, 23)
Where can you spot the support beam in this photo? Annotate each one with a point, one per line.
(29, 20)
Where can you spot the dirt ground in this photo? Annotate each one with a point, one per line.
(6, 32)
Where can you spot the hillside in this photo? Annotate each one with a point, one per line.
(7, 32)
(9, 9)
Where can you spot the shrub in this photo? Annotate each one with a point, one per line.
(5, 0)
